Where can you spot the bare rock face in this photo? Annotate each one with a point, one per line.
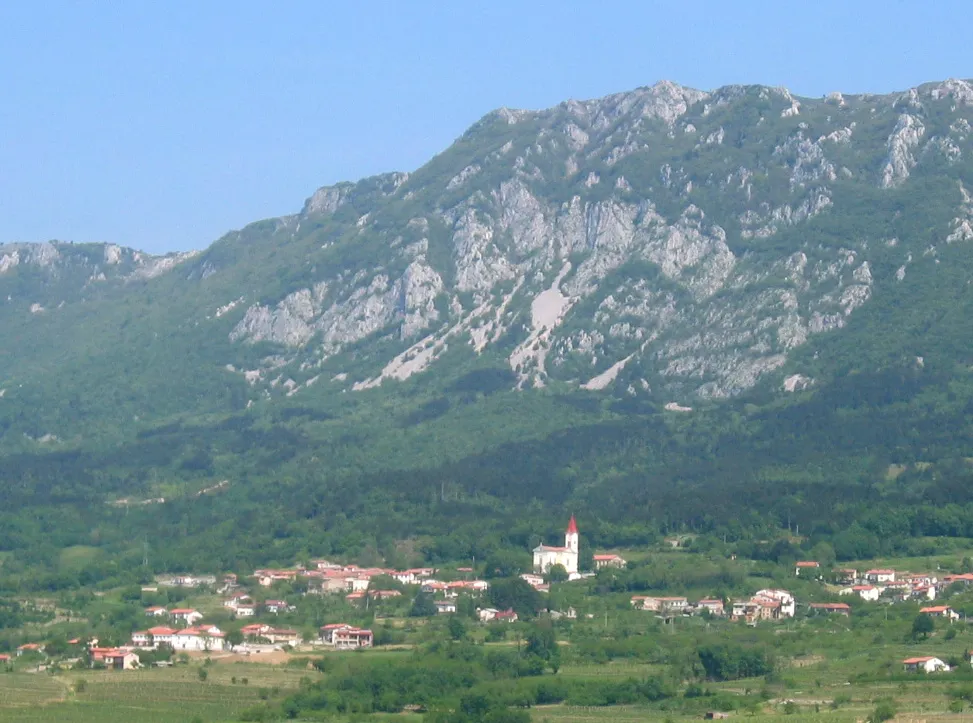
(327, 200)
(900, 162)
(665, 232)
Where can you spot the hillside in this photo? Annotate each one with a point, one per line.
(662, 308)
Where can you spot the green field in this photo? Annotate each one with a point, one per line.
(155, 696)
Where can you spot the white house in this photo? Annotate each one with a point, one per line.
(206, 637)
(880, 575)
(156, 611)
(546, 556)
(186, 615)
(534, 581)
(153, 637)
(445, 606)
(236, 600)
(925, 664)
(486, 614)
(245, 611)
(602, 561)
(714, 607)
(357, 584)
(865, 592)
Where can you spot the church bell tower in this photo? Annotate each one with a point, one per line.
(571, 536)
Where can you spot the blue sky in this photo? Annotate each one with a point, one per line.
(163, 125)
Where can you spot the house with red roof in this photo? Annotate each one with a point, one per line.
(506, 616)
(940, 611)
(202, 638)
(153, 637)
(185, 615)
(281, 636)
(925, 664)
(255, 630)
(880, 575)
(115, 658)
(352, 638)
(806, 566)
(327, 632)
(384, 594)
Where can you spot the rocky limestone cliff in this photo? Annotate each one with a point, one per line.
(666, 238)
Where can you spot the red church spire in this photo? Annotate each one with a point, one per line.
(572, 527)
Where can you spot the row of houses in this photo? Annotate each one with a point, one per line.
(896, 586)
(268, 633)
(327, 577)
(243, 606)
(766, 604)
(492, 615)
(888, 582)
(188, 616)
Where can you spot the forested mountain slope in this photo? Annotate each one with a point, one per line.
(665, 306)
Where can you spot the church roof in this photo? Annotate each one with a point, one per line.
(572, 527)
(550, 548)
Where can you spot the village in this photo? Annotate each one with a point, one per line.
(190, 631)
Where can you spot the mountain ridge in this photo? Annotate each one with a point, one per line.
(676, 219)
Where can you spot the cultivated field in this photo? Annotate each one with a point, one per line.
(153, 696)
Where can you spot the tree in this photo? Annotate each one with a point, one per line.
(542, 643)
(457, 628)
(515, 594)
(423, 606)
(556, 573)
(234, 637)
(922, 626)
(507, 563)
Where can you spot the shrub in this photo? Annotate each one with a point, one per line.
(885, 710)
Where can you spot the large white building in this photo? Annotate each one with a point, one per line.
(545, 556)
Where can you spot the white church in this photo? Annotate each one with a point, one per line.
(547, 555)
